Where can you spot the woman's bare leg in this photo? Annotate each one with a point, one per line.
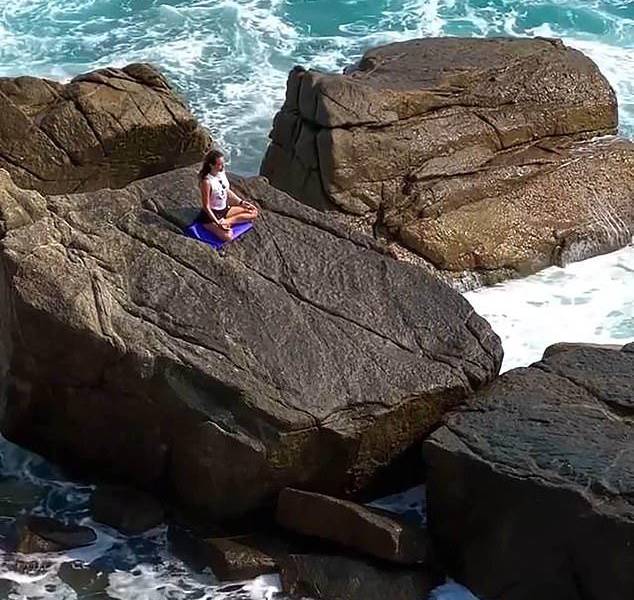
(239, 214)
(224, 234)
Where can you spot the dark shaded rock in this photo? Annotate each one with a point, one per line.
(85, 580)
(242, 557)
(530, 489)
(126, 509)
(103, 129)
(41, 534)
(303, 355)
(568, 346)
(230, 557)
(455, 149)
(342, 578)
(7, 588)
(369, 531)
(17, 496)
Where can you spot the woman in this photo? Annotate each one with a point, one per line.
(221, 208)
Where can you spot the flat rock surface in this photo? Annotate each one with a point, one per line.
(301, 355)
(470, 153)
(102, 129)
(530, 488)
(366, 530)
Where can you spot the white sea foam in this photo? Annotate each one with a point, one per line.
(587, 301)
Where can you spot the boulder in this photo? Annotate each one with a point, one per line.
(42, 534)
(325, 577)
(367, 530)
(302, 355)
(101, 130)
(471, 156)
(530, 489)
(126, 509)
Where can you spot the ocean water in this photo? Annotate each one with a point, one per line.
(230, 59)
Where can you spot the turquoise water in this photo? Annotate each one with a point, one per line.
(230, 58)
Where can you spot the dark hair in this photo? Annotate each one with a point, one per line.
(209, 161)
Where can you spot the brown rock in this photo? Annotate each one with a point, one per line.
(342, 578)
(126, 509)
(468, 152)
(369, 531)
(41, 534)
(103, 129)
(242, 557)
(300, 355)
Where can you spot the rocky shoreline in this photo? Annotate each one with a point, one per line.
(266, 391)
(473, 158)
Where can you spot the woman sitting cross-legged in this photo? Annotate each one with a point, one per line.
(221, 208)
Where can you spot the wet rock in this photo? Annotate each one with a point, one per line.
(343, 578)
(530, 488)
(17, 496)
(126, 509)
(230, 558)
(85, 580)
(41, 534)
(366, 530)
(242, 557)
(248, 370)
(7, 588)
(454, 150)
(102, 129)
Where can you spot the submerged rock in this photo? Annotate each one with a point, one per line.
(530, 491)
(102, 129)
(300, 355)
(366, 530)
(470, 153)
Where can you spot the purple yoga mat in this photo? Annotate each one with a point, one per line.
(198, 232)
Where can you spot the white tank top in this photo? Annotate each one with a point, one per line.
(219, 187)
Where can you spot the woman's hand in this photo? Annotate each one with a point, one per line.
(247, 205)
(224, 225)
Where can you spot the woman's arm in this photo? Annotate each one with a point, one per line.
(235, 200)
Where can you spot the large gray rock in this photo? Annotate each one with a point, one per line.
(466, 152)
(302, 355)
(102, 129)
(531, 488)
